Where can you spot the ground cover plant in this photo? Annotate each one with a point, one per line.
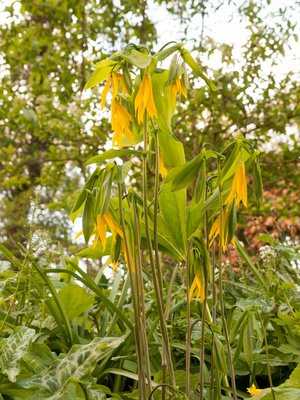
(185, 312)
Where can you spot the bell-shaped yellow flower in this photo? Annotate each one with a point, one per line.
(254, 391)
(116, 83)
(103, 223)
(216, 230)
(178, 87)
(120, 123)
(197, 289)
(238, 191)
(144, 100)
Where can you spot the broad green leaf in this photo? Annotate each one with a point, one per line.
(135, 57)
(173, 215)
(171, 150)
(289, 390)
(294, 379)
(12, 350)
(186, 174)
(195, 213)
(38, 357)
(101, 73)
(75, 300)
(164, 101)
(77, 364)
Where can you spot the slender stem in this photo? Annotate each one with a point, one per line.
(188, 323)
(155, 216)
(141, 300)
(225, 327)
(214, 317)
(268, 356)
(204, 305)
(156, 253)
(157, 290)
(142, 380)
(202, 350)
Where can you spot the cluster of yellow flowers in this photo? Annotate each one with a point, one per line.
(237, 196)
(144, 103)
(121, 122)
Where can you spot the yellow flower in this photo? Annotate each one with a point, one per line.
(116, 83)
(178, 87)
(238, 191)
(144, 100)
(103, 222)
(254, 391)
(197, 289)
(215, 230)
(120, 123)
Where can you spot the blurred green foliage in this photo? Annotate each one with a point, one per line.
(47, 129)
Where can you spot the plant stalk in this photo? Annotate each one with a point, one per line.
(154, 267)
(225, 327)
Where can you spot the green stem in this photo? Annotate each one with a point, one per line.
(204, 305)
(157, 286)
(225, 327)
(156, 253)
(214, 318)
(141, 301)
(268, 356)
(142, 379)
(188, 322)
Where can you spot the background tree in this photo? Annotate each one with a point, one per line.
(48, 128)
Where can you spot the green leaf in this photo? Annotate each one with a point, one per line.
(196, 68)
(101, 73)
(238, 154)
(173, 215)
(164, 101)
(76, 365)
(171, 150)
(186, 174)
(289, 390)
(88, 218)
(135, 57)
(110, 154)
(75, 300)
(83, 194)
(12, 350)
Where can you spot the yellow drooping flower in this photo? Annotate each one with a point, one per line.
(254, 391)
(144, 100)
(178, 87)
(104, 222)
(238, 191)
(197, 289)
(116, 83)
(215, 230)
(120, 123)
